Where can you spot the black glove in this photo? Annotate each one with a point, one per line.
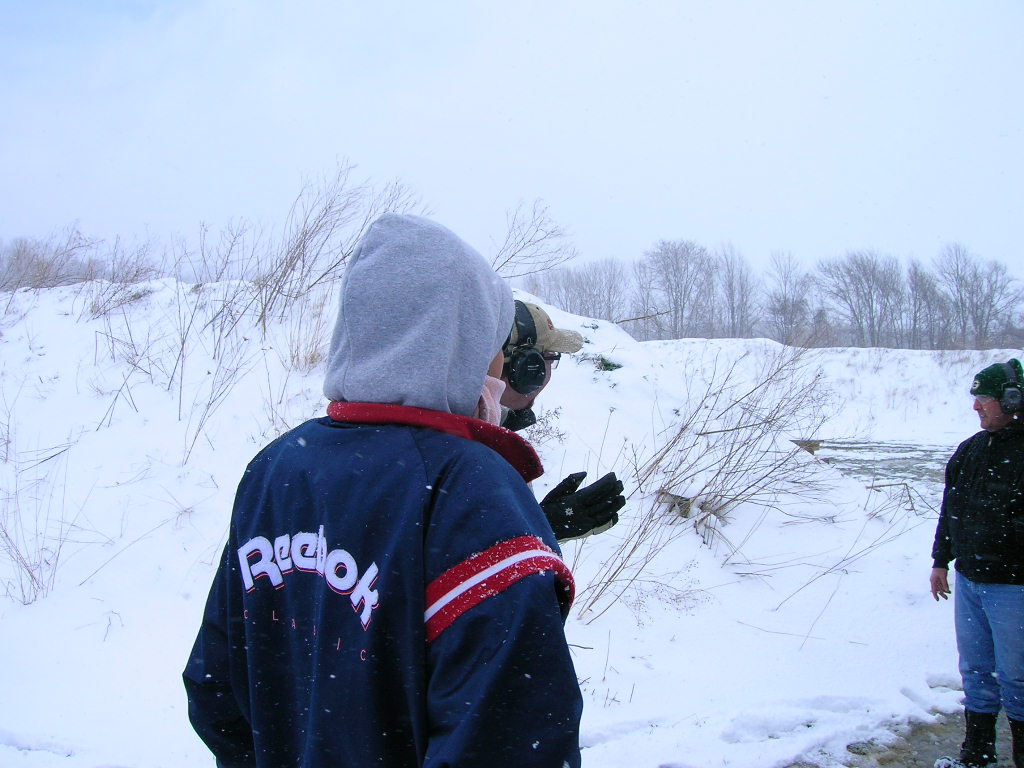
(574, 514)
(521, 419)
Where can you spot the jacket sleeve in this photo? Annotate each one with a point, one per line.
(213, 706)
(501, 689)
(942, 548)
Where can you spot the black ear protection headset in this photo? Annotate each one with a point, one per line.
(1011, 400)
(525, 367)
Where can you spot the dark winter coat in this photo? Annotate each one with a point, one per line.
(981, 524)
(389, 595)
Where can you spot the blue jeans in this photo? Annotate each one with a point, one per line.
(990, 639)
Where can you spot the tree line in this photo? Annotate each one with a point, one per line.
(677, 289)
(680, 289)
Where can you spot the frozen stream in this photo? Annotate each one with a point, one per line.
(887, 461)
(881, 464)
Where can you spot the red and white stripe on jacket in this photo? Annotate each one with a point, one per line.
(489, 573)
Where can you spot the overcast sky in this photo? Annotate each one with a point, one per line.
(808, 126)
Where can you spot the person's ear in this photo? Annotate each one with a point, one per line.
(497, 364)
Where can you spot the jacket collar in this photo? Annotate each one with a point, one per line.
(1012, 431)
(514, 449)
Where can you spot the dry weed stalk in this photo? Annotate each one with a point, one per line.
(308, 328)
(229, 367)
(898, 511)
(121, 281)
(33, 530)
(323, 226)
(64, 258)
(732, 447)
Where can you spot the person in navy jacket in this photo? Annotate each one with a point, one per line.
(391, 593)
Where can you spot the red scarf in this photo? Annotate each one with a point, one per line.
(514, 449)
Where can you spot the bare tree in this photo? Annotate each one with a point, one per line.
(957, 269)
(984, 299)
(738, 294)
(598, 289)
(788, 305)
(998, 299)
(643, 320)
(926, 316)
(675, 290)
(866, 289)
(533, 243)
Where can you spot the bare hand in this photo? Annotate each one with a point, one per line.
(940, 583)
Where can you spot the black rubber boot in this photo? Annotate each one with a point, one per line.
(1017, 731)
(979, 747)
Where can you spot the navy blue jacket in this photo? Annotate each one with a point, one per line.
(981, 524)
(390, 595)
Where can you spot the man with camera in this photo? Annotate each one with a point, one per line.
(532, 352)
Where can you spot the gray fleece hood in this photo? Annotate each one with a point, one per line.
(421, 316)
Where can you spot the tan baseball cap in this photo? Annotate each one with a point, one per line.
(543, 335)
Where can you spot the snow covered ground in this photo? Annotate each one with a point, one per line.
(779, 629)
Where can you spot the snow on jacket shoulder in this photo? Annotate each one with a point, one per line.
(389, 595)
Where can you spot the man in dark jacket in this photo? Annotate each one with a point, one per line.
(531, 353)
(981, 526)
(391, 593)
